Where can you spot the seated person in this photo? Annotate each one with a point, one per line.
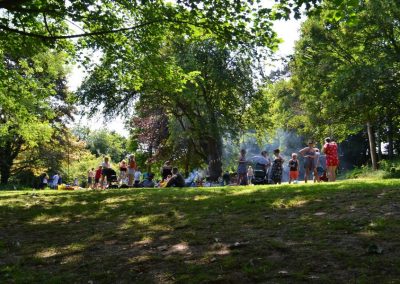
(164, 182)
(226, 177)
(176, 180)
(148, 181)
(166, 170)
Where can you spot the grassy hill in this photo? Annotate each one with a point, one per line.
(345, 232)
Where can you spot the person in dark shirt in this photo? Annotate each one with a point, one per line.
(166, 170)
(226, 177)
(176, 180)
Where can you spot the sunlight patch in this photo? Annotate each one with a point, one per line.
(295, 202)
(47, 219)
(72, 259)
(368, 234)
(179, 248)
(139, 259)
(50, 252)
(144, 242)
(201, 197)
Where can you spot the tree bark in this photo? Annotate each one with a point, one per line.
(7, 156)
(372, 146)
(5, 173)
(390, 139)
(379, 143)
(214, 154)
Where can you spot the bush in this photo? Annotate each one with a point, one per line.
(387, 169)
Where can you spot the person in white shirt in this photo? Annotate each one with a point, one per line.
(105, 172)
(54, 183)
(317, 164)
(138, 174)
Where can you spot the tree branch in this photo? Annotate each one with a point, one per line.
(101, 32)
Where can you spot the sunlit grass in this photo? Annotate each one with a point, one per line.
(194, 235)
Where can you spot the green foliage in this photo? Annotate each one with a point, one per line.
(80, 166)
(391, 168)
(33, 102)
(388, 169)
(193, 93)
(103, 142)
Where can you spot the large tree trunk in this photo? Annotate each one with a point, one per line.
(372, 146)
(5, 173)
(7, 156)
(213, 148)
(390, 139)
(379, 143)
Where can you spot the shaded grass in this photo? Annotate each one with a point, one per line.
(326, 233)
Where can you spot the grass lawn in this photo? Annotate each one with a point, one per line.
(345, 232)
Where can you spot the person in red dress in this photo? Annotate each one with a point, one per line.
(332, 160)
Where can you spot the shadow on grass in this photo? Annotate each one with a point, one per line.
(326, 233)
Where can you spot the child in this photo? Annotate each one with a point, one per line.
(138, 174)
(242, 172)
(277, 167)
(97, 176)
(91, 174)
(293, 169)
(250, 174)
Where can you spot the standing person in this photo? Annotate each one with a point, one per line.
(105, 172)
(293, 169)
(138, 174)
(332, 159)
(131, 169)
(309, 160)
(91, 174)
(56, 177)
(250, 174)
(267, 165)
(44, 180)
(123, 171)
(317, 165)
(277, 167)
(242, 171)
(97, 176)
(166, 170)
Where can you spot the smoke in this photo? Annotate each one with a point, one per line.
(286, 142)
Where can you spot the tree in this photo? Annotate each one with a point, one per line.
(343, 72)
(234, 20)
(103, 142)
(201, 86)
(33, 98)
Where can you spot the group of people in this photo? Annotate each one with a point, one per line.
(46, 181)
(130, 175)
(274, 168)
